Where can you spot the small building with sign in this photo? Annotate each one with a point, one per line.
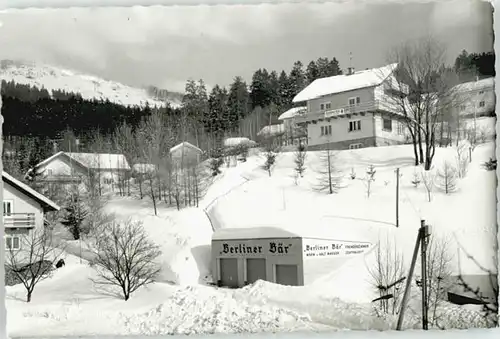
(241, 256)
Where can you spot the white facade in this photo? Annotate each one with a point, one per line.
(23, 211)
(363, 114)
(70, 168)
(475, 98)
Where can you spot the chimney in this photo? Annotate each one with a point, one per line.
(350, 70)
(54, 147)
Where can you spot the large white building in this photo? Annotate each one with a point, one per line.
(354, 110)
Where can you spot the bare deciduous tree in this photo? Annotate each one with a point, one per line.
(462, 159)
(438, 276)
(125, 257)
(33, 261)
(423, 91)
(428, 181)
(447, 178)
(387, 273)
(329, 176)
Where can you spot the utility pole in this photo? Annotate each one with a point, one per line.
(406, 295)
(397, 197)
(424, 229)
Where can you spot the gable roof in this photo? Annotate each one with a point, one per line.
(343, 83)
(185, 144)
(272, 129)
(93, 160)
(487, 83)
(43, 200)
(292, 112)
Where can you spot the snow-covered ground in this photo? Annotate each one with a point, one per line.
(89, 86)
(245, 196)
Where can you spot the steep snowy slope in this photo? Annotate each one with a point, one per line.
(89, 86)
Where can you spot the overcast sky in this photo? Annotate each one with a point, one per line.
(165, 46)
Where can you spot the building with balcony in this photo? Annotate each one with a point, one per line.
(24, 210)
(293, 133)
(355, 110)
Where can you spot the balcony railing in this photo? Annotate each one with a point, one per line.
(62, 178)
(19, 220)
(377, 105)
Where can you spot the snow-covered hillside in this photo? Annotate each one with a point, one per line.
(89, 86)
(245, 196)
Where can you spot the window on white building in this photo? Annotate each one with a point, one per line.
(49, 171)
(481, 104)
(325, 106)
(12, 242)
(354, 125)
(481, 92)
(354, 101)
(462, 108)
(7, 207)
(387, 124)
(326, 130)
(355, 146)
(401, 128)
(108, 181)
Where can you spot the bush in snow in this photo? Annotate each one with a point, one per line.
(428, 180)
(370, 172)
(352, 174)
(490, 165)
(216, 162)
(271, 150)
(446, 178)
(416, 179)
(125, 257)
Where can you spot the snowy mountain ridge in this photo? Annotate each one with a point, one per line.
(89, 86)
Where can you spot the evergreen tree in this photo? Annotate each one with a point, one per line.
(218, 111)
(312, 72)
(283, 85)
(238, 102)
(297, 80)
(260, 93)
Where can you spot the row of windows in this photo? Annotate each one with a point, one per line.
(355, 125)
(325, 106)
(481, 104)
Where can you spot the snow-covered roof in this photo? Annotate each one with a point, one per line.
(144, 168)
(238, 141)
(272, 129)
(292, 112)
(487, 83)
(44, 201)
(185, 144)
(253, 233)
(100, 160)
(343, 83)
(276, 232)
(93, 160)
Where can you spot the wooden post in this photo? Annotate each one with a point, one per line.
(470, 154)
(423, 253)
(397, 197)
(410, 277)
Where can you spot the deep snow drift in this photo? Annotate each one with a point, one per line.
(244, 196)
